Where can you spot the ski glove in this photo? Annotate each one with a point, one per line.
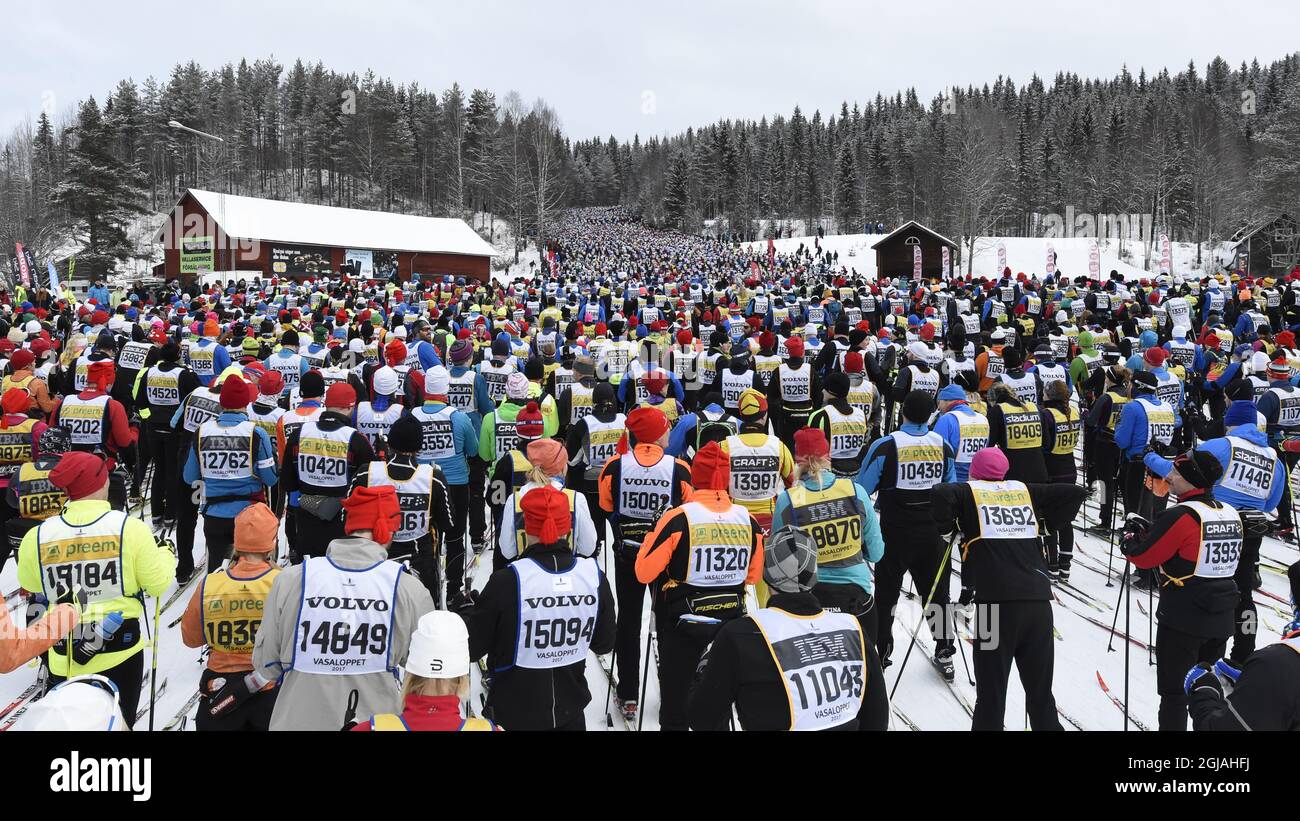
(1135, 530)
(1227, 668)
(1202, 676)
(225, 693)
(75, 595)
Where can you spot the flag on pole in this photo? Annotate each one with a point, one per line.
(54, 276)
(916, 262)
(1002, 258)
(24, 272)
(1166, 257)
(1051, 259)
(1094, 259)
(771, 254)
(947, 262)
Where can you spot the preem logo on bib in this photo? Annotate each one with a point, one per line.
(122, 775)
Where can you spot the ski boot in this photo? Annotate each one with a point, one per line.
(1063, 573)
(943, 663)
(627, 709)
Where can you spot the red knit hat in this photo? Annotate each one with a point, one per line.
(100, 374)
(79, 474)
(1155, 357)
(15, 401)
(372, 508)
(528, 423)
(711, 468)
(340, 395)
(853, 362)
(546, 514)
(647, 425)
(395, 352)
(794, 346)
(811, 442)
(655, 383)
(22, 359)
(271, 384)
(236, 393)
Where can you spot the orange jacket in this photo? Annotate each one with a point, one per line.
(645, 455)
(660, 547)
(192, 622)
(39, 391)
(20, 645)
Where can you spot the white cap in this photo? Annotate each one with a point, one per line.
(1259, 362)
(1181, 331)
(517, 386)
(998, 333)
(32, 327)
(355, 345)
(400, 332)
(84, 703)
(437, 381)
(918, 350)
(385, 381)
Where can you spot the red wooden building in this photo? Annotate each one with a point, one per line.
(208, 232)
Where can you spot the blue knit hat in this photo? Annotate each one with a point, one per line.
(1241, 412)
(951, 392)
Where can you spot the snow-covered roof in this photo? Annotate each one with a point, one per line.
(910, 224)
(294, 222)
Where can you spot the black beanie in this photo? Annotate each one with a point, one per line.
(917, 407)
(1201, 469)
(289, 337)
(406, 435)
(1012, 358)
(837, 384)
(312, 385)
(534, 369)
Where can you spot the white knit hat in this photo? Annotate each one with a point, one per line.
(385, 381)
(439, 646)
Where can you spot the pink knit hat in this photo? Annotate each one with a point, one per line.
(989, 465)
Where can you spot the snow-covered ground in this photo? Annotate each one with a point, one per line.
(1027, 254)
(1081, 652)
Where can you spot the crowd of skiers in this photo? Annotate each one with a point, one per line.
(765, 445)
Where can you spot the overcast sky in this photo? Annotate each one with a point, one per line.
(625, 68)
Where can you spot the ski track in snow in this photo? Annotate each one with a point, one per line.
(922, 696)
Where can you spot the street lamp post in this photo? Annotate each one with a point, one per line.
(230, 251)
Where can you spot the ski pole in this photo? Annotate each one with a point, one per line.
(957, 637)
(609, 690)
(933, 586)
(1128, 647)
(1151, 624)
(645, 676)
(1114, 624)
(1114, 508)
(153, 662)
